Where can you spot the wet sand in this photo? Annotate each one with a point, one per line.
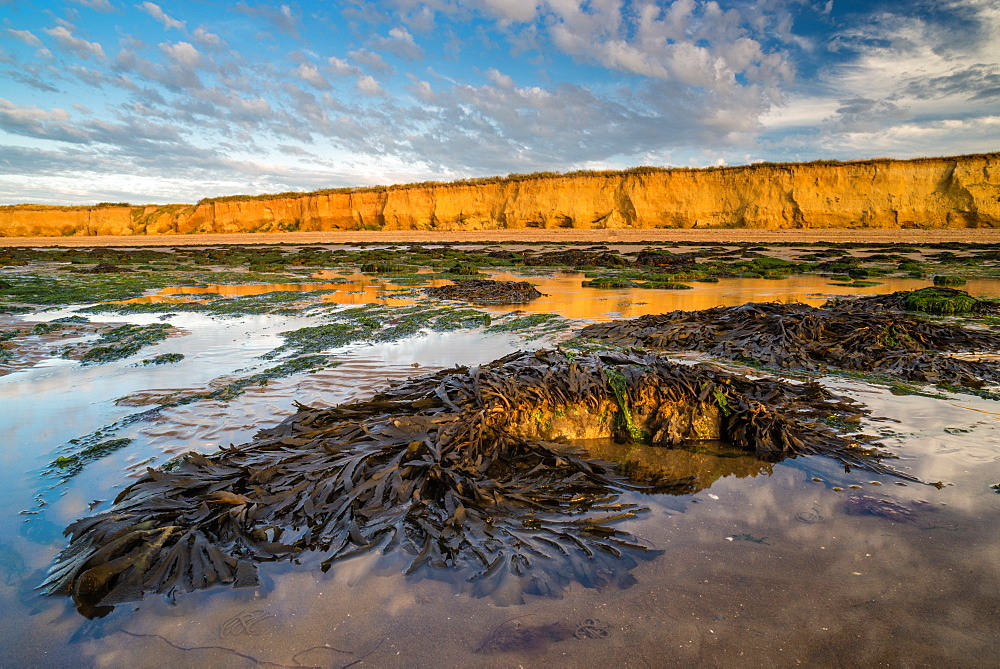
(969, 235)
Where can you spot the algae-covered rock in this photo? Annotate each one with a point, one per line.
(486, 292)
(938, 300)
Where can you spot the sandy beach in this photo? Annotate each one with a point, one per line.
(531, 236)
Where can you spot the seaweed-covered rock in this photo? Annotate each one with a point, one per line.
(931, 300)
(798, 336)
(576, 258)
(466, 470)
(103, 268)
(486, 292)
(675, 262)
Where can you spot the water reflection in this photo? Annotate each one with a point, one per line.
(691, 467)
(758, 570)
(564, 294)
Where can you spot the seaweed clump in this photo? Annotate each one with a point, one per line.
(486, 292)
(849, 336)
(938, 300)
(466, 470)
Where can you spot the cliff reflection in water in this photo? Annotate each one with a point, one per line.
(698, 464)
(563, 293)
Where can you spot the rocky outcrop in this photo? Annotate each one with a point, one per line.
(958, 192)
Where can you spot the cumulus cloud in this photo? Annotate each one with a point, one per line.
(77, 45)
(311, 75)
(206, 38)
(400, 42)
(342, 68)
(35, 122)
(498, 78)
(512, 10)
(370, 60)
(157, 13)
(367, 85)
(182, 53)
(25, 36)
(281, 17)
(698, 44)
(97, 5)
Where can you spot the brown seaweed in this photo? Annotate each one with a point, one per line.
(486, 292)
(466, 470)
(797, 336)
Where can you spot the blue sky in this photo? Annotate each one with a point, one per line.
(172, 101)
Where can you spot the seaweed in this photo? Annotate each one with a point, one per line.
(447, 469)
(73, 464)
(165, 359)
(121, 342)
(844, 335)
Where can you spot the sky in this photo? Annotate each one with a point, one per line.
(177, 100)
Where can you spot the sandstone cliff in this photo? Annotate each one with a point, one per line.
(959, 192)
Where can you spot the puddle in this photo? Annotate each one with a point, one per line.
(764, 564)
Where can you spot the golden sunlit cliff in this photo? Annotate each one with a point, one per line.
(934, 193)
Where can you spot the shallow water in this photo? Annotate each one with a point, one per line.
(563, 293)
(765, 566)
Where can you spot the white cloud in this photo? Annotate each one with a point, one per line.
(424, 92)
(77, 45)
(522, 11)
(498, 78)
(342, 68)
(311, 75)
(919, 138)
(370, 60)
(157, 13)
(368, 86)
(698, 44)
(281, 17)
(97, 5)
(35, 122)
(400, 42)
(182, 53)
(204, 37)
(25, 36)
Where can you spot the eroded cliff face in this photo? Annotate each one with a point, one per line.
(958, 192)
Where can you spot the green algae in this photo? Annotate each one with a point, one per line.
(937, 301)
(122, 342)
(623, 417)
(165, 359)
(46, 328)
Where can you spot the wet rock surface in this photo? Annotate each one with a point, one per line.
(429, 469)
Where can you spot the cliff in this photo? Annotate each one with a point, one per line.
(957, 192)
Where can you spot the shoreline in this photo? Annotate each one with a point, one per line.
(522, 236)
